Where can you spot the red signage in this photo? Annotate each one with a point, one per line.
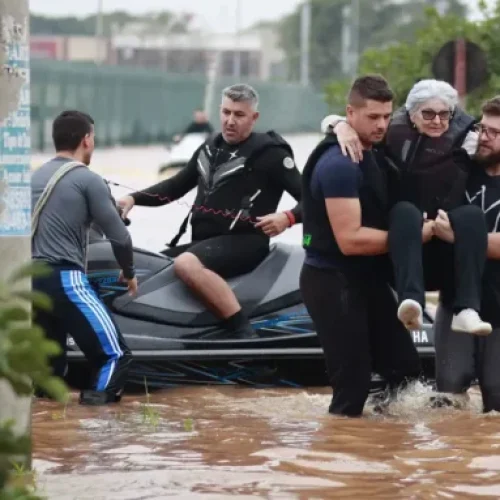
(43, 49)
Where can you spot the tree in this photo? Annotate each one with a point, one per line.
(405, 63)
(381, 22)
(69, 26)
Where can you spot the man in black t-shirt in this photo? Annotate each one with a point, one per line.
(345, 277)
(460, 358)
(240, 177)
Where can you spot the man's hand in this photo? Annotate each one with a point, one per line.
(273, 224)
(126, 204)
(131, 284)
(428, 230)
(443, 229)
(349, 141)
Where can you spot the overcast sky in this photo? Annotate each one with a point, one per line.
(220, 15)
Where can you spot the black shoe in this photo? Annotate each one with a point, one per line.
(383, 399)
(246, 332)
(445, 402)
(98, 398)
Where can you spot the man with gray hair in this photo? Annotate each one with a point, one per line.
(240, 177)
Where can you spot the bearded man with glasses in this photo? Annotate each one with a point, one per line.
(459, 357)
(429, 141)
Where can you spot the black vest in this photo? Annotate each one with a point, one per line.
(433, 171)
(374, 197)
(226, 188)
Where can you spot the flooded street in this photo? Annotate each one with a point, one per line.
(234, 442)
(215, 443)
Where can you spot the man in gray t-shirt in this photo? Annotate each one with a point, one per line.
(67, 198)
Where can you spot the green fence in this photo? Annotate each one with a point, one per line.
(140, 106)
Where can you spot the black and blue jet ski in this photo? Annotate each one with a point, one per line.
(175, 340)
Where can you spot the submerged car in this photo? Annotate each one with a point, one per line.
(180, 153)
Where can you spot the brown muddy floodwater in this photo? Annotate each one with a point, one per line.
(233, 442)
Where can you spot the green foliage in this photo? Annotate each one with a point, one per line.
(24, 354)
(73, 26)
(24, 351)
(188, 425)
(150, 415)
(380, 23)
(19, 493)
(404, 63)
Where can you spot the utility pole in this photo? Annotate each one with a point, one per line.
(461, 69)
(99, 30)
(345, 59)
(15, 186)
(355, 36)
(172, 23)
(214, 60)
(305, 42)
(350, 39)
(237, 49)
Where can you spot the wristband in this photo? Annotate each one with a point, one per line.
(291, 217)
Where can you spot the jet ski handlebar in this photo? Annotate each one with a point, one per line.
(126, 221)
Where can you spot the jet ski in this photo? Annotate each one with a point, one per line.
(180, 153)
(175, 340)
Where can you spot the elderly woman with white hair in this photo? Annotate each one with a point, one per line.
(426, 141)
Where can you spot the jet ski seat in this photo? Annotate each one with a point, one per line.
(272, 285)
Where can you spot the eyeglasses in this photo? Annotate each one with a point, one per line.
(430, 114)
(491, 133)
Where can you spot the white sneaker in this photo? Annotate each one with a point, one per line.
(468, 321)
(410, 314)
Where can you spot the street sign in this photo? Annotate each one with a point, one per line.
(476, 65)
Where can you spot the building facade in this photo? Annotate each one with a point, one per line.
(251, 54)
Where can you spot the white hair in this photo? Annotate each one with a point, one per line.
(242, 93)
(425, 90)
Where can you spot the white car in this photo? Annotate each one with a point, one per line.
(180, 154)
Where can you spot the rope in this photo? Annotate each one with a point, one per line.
(44, 198)
(199, 208)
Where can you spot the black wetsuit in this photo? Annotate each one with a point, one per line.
(227, 176)
(461, 357)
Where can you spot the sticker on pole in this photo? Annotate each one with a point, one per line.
(15, 140)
